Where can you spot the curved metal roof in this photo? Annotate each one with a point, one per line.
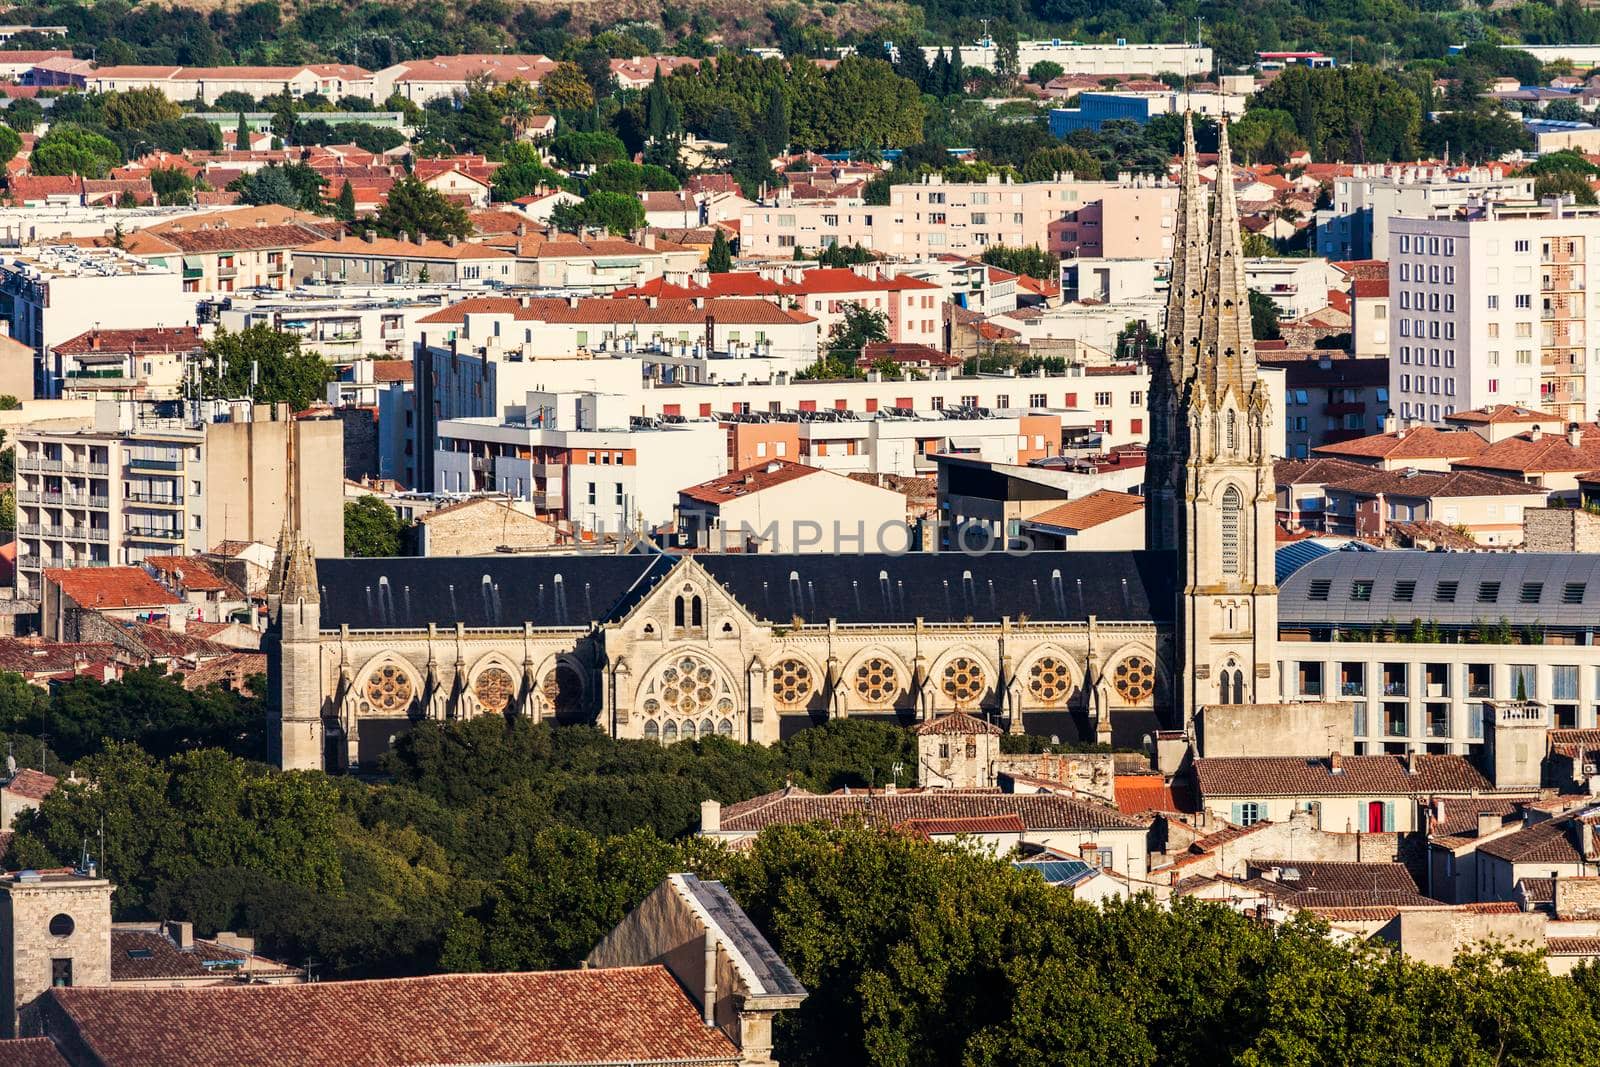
(1456, 588)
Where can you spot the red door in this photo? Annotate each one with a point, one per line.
(1375, 817)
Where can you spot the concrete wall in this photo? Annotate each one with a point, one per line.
(245, 481)
(1436, 936)
(1312, 728)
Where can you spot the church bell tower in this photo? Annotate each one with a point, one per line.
(1228, 612)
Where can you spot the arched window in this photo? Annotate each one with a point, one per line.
(1232, 518)
(695, 612)
(1223, 685)
(1238, 687)
(652, 732)
(669, 732)
(677, 612)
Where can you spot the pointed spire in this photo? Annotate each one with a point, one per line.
(1186, 280)
(1227, 349)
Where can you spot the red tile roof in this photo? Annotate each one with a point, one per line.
(240, 238)
(28, 187)
(1502, 414)
(1039, 811)
(750, 480)
(978, 824)
(1551, 841)
(1432, 484)
(597, 1016)
(1285, 776)
(110, 587)
(956, 724)
(143, 954)
(198, 577)
(1573, 946)
(1551, 452)
(1087, 512)
(1425, 442)
(1139, 793)
(391, 370)
(1573, 742)
(138, 341)
(31, 1052)
(1369, 288)
(32, 784)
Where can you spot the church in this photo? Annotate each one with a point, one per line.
(663, 647)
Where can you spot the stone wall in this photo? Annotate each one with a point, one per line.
(1577, 898)
(482, 526)
(1091, 774)
(1436, 936)
(360, 442)
(1313, 728)
(1560, 530)
(29, 949)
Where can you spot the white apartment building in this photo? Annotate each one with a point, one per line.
(1494, 309)
(359, 324)
(1356, 224)
(1298, 286)
(579, 456)
(1075, 58)
(52, 293)
(930, 218)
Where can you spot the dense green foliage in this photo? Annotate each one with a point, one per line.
(412, 209)
(371, 528)
(283, 373)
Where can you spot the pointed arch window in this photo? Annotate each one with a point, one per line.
(678, 613)
(696, 613)
(1232, 520)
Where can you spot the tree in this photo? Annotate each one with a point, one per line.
(566, 89)
(73, 149)
(346, 210)
(522, 173)
(1031, 261)
(293, 185)
(1564, 183)
(371, 528)
(1264, 317)
(620, 176)
(720, 259)
(241, 134)
(23, 114)
(1044, 72)
(172, 186)
(137, 109)
(860, 327)
(413, 208)
(10, 144)
(617, 213)
(574, 148)
(284, 374)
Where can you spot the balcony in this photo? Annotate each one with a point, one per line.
(72, 500)
(139, 463)
(166, 500)
(156, 533)
(227, 270)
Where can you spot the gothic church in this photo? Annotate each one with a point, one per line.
(1092, 645)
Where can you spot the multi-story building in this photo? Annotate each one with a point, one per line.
(1097, 108)
(354, 324)
(145, 364)
(228, 258)
(149, 480)
(580, 457)
(929, 218)
(184, 84)
(1355, 224)
(1075, 58)
(398, 261)
(1329, 397)
(55, 292)
(1493, 307)
(1125, 222)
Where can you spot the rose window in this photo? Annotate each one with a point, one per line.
(388, 689)
(963, 680)
(494, 690)
(1135, 679)
(562, 688)
(684, 694)
(1049, 680)
(791, 682)
(876, 681)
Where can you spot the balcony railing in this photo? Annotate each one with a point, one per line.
(163, 533)
(140, 463)
(165, 499)
(71, 500)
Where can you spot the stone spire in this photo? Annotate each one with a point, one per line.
(1227, 349)
(1186, 281)
(294, 569)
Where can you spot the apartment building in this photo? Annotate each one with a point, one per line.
(52, 293)
(184, 84)
(422, 80)
(930, 218)
(1075, 58)
(1355, 225)
(1123, 222)
(374, 322)
(580, 457)
(225, 259)
(1330, 397)
(1494, 308)
(144, 364)
(154, 480)
(374, 260)
(598, 265)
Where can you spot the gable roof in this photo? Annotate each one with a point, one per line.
(956, 724)
(110, 587)
(139, 341)
(751, 480)
(1435, 484)
(1551, 841)
(1087, 512)
(595, 1016)
(1037, 811)
(1423, 442)
(1287, 776)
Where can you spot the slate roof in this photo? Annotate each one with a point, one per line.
(1459, 588)
(772, 976)
(596, 1016)
(1038, 811)
(1285, 776)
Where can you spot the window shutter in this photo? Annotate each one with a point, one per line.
(1388, 816)
(1238, 813)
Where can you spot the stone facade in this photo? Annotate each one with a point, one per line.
(1560, 530)
(54, 928)
(474, 527)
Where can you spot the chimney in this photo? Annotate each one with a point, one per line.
(1488, 823)
(182, 934)
(1336, 764)
(1586, 838)
(1536, 434)
(370, 237)
(710, 816)
(452, 240)
(1575, 435)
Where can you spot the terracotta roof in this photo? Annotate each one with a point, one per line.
(1284, 776)
(1424, 442)
(978, 824)
(907, 352)
(356, 248)
(750, 480)
(32, 187)
(1436, 484)
(1139, 793)
(1573, 946)
(1369, 288)
(956, 724)
(1502, 414)
(1360, 898)
(143, 954)
(1538, 890)
(1572, 742)
(147, 339)
(1460, 822)
(198, 577)
(232, 671)
(391, 370)
(1550, 452)
(159, 642)
(31, 1052)
(240, 238)
(110, 587)
(1315, 471)
(1039, 811)
(34, 656)
(1551, 841)
(32, 784)
(1087, 512)
(595, 1016)
(1228, 834)
(1305, 876)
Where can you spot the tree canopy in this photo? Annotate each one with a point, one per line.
(283, 373)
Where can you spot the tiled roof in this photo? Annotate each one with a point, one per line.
(1433, 484)
(1533, 453)
(198, 577)
(1318, 876)
(1538, 890)
(1228, 834)
(143, 954)
(31, 1052)
(907, 352)
(1039, 811)
(1360, 898)
(356, 248)
(232, 671)
(110, 587)
(1087, 512)
(743, 483)
(32, 784)
(391, 370)
(32, 657)
(139, 341)
(159, 642)
(977, 824)
(1503, 414)
(1460, 822)
(240, 238)
(1573, 946)
(1369, 288)
(36, 187)
(459, 68)
(1284, 776)
(1572, 742)
(616, 310)
(1424, 442)
(1551, 841)
(596, 1016)
(1139, 793)
(1315, 471)
(956, 724)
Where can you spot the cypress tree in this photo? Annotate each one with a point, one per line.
(241, 137)
(720, 261)
(347, 202)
